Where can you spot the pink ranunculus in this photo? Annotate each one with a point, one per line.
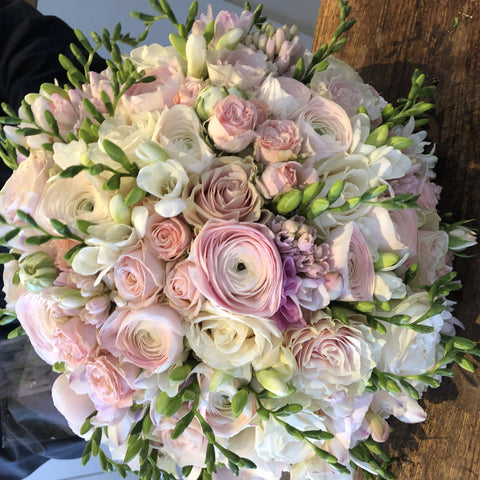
(277, 141)
(180, 290)
(76, 341)
(325, 127)
(238, 267)
(110, 382)
(225, 192)
(352, 259)
(73, 406)
(232, 126)
(188, 92)
(150, 338)
(36, 317)
(167, 238)
(278, 178)
(23, 189)
(139, 276)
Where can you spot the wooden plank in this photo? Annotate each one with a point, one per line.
(442, 39)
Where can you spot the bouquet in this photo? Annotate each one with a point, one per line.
(230, 250)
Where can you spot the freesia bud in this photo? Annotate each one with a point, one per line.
(37, 271)
(230, 39)
(151, 152)
(271, 381)
(386, 260)
(219, 379)
(461, 238)
(196, 53)
(207, 99)
(119, 212)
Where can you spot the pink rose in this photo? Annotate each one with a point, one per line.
(180, 290)
(277, 141)
(167, 238)
(23, 189)
(325, 127)
(232, 125)
(36, 317)
(151, 337)
(139, 276)
(188, 92)
(278, 178)
(238, 267)
(352, 259)
(432, 258)
(225, 192)
(76, 341)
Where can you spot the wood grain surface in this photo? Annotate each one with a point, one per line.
(442, 39)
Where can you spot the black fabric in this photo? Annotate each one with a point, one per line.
(31, 430)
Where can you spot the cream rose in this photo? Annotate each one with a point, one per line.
(150, 338)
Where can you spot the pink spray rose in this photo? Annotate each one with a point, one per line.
(238, 267)
(139, 276)
(167, 238)
(232, 126)
(278, 178)
(150, 338)
(188, 92)
(277, 141)
(352, 258)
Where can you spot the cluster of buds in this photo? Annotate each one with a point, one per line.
(282, 46)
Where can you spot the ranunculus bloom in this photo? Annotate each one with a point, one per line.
(232, 126)
(227, 341)
(180, 290)
(139, 275)
(238, 267)
(325, 127)
(167, 238)
(151, 337)
(351, 257)
(332, 356)
(225, 192)
(277, 141)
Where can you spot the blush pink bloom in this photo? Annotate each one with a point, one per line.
(180, 290)
(167, 238)
(233, 123)
(76, 341)
(278, 178)
(325, 127)
(277, 141)
(139, 276)
(150, 338)
(188, 92)
(225, 192)
(23, 189)
(352, 259)
(226, 21)
(238, 267)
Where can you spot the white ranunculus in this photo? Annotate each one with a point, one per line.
(72, 199)
(229, 341)
(166, 180)
(179, 132)
(272, 442)
(388, 163)
(104, 245)
(407, 352)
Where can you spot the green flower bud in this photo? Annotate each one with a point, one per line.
(386, 260)
(271, 381)
(119, 212)
(37, 271)
(206, 101)
(231, 39)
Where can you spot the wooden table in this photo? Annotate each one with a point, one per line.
(442, 39)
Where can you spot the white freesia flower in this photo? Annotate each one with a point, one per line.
(196, 53)
(148, 57)
(388, 163)
(179, 132)
(70, 199)
(388, 286)
(229, 341)
(166, 180)
(67, 154)
(104, 245)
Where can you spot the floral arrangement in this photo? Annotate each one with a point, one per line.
(230, 249)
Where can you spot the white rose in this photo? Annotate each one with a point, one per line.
(166, 180)
(230, 341)
(179, 132)
(333, 357)
(70, 199)
(407, 352)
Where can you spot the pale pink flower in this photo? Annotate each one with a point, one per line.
(226, 21)
(188, 92)
(278, 178)
(139, 276)
(431, 257)
(167, 238)
(238, 267)
(150, 338)
(277, 141)
(232, 126)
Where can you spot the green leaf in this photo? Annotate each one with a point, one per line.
(168, 405)
(27, 218)
(72, 171)
(180, 374)
(239, 401)
(38, 240)
(182, 424)
(133, 450)
(113, 183)
(319, 435)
